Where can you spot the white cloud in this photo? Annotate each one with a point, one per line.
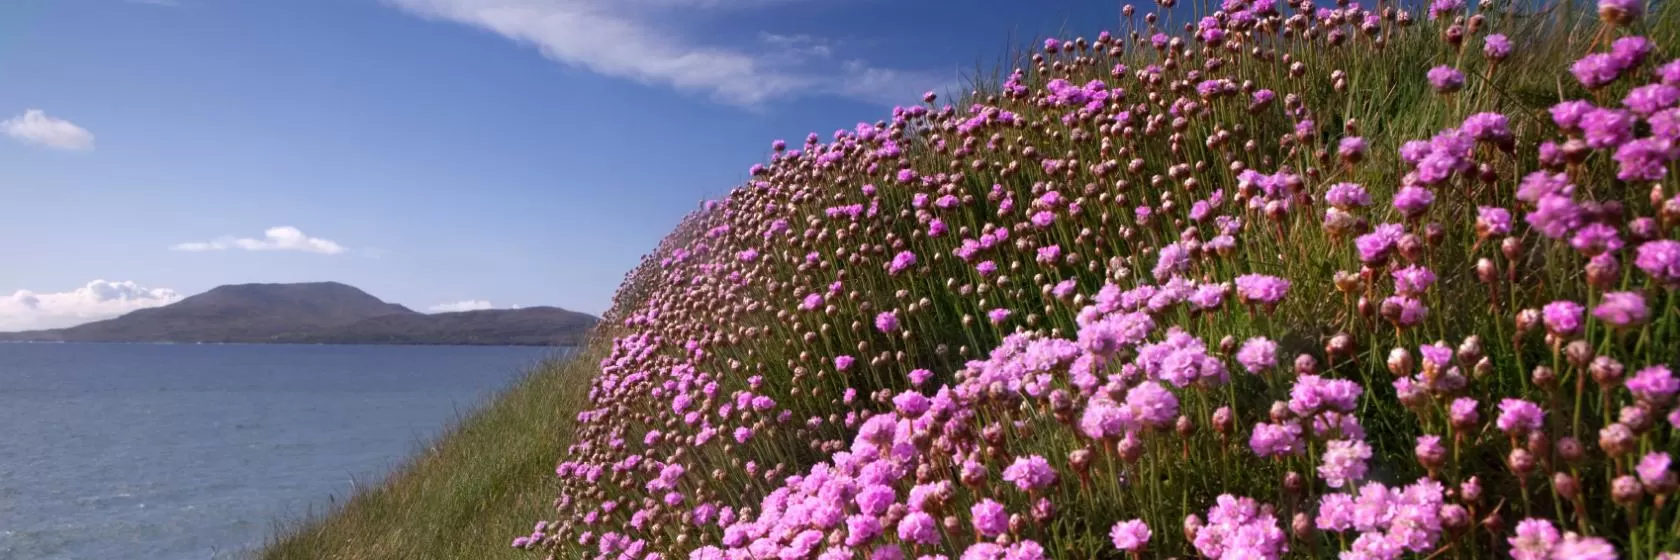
(633, 39)
(35, 127)
(99, 299)
(282, 238)
(463, 305)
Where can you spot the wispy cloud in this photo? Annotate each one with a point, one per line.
(463, 305)
(34, 126)
(282, 238)
(635, 40)
(99, 299)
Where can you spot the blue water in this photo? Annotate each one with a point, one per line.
(143, 451)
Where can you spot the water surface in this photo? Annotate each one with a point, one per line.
(163, 451)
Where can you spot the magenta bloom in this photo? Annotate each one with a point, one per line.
(1534, 541)
(1492, 221)
(1645, 159)
(998, 316)
(1410, 311)
(1576, 547)
(1375, 247)
(1238, 527)
(1653, 470)
(1343, 462)
(1496, 47)
(1130, 536)
(1261, 288)
(886, 321)
(919, 528)
(1596, 70)
(902, 261)
(1655, 384)
(1562, 317)
(1413, 201)
(1257, 354)
(1347, 196)
(1413, 280)
(1445, 79)
(1518, 417)
(843, 363)
(1030, 473)
(1620, 12)
(1463, 412)
(1661, 260)
(1276, 439)
(1622, 309)
(990, 518)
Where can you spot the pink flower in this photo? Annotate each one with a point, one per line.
(1534, 540)
(1344, 462)
(1130, 536)
(1518, 417)
(1030, 473)
(886, 322)
(990, 518)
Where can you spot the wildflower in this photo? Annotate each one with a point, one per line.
(918, 528)
(1445, 79)
(1276, 439)
(1646, 100)
(843, 363)
(1630, 51)
(1261, 288)
(886, 322)
(1237, 527)
(1655, 384)
(1596, 70)
(998, 316)
(902, 261)
(1257, 354)
(1130, 536)
(1351, 149)
(1462, 413)
(1535, 540)
(1622, 309)
(1576, 547)
(1645, 159)
(1413, 280)
(1492, 221)
(1374, 247)
(1413, 201)
(1620, 12)
(1518, 417)
(1347, 196)
(1344, 461)
(1654, 472)
(1661, 260)
(1030, 473)
(1496, 47)
(990, 518)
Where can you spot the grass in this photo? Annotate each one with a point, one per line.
(466, 494)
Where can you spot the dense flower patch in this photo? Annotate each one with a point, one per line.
(1298, 281)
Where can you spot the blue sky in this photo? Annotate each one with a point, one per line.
(431, 152)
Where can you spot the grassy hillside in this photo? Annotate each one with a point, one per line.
(461, 495)
(1283, 281)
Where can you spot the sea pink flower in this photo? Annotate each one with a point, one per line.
(1130, 536)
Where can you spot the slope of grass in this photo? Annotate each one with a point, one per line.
(464, 494)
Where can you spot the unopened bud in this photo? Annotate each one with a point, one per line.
(1400, 362)
(1616, 439)
(1626, 490)
(1566, 485)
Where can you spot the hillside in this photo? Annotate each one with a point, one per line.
(318, 312)
(1297, 281)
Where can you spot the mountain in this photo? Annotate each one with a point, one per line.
(319, 312)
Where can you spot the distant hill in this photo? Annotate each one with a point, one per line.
(323, 313)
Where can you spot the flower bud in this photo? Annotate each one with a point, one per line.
(1603, 271)
(1520, 461)
(1578, 352)
(1455, 518)
(1130, 448)
(1279, 412)
(1080, 461)
(1184, 426)
(1192, 525)
(1294, 483)
(1471, 490)
(1486, 272)
(1616, 439)
(1347, 282)
(1566, 485)
(1222, 421)
(1626, 491)
(1301, 526)
(1544, 377)
(1305, 364)
(1606, 371)
(1400, 362)
(1511, 247)
(1494, 523)
(1569, 449)
(1636, 418)
(1340, 345)
(1538, 444)
(1227, 344)
(1470, 350)
(1043, 511)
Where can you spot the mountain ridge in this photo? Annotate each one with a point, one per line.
(319, 313)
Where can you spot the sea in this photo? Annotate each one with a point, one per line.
(200, 451)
